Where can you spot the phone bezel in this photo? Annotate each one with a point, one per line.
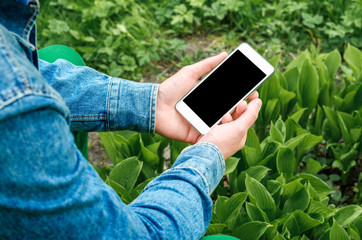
(254, 57)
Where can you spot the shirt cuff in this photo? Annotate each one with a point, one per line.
(131, 105)
(206, 159)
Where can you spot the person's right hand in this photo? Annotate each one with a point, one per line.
(230, 135)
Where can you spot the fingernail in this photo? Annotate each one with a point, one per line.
(258, 102)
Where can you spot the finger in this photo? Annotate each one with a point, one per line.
(226, 118)
(199, 69)
(254, 95)
(250, 115)
(239, 110)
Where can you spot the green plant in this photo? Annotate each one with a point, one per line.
(288, 181)
(298, 176)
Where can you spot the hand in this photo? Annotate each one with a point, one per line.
(169, 122)
(230, 135)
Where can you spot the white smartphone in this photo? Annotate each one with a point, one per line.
(231, 82)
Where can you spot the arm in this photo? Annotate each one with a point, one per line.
(98, 102)
(49, 191)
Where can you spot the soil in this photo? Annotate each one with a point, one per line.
(97, 155)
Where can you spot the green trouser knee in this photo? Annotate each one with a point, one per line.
(51, 54)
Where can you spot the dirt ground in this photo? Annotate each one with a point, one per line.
(97, 155)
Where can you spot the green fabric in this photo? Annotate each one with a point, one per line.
(53, 53)
(219, 237)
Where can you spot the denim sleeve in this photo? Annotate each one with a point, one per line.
(98, 102)
(49, 191)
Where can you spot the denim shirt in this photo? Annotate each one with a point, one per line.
(48, 190)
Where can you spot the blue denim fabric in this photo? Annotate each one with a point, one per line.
(95, 99)
(48, 190)
(23, 1)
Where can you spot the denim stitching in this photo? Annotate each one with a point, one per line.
(150, 120)
(213, 146)
(30, 24)
(108, 104)
(116, 105)
(154, 93)
(15, 61)
(23, 90)
(88, 118)
(199, 172)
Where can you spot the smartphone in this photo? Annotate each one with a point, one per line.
(231, 82)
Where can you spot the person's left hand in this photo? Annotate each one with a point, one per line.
(169, 122)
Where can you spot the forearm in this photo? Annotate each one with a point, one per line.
(178, 201)
(98, 102)
(50, 180)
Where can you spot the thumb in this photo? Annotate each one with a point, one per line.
(247, 119)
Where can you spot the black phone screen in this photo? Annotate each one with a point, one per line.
(224, 88)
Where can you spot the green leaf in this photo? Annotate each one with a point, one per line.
(358, 224)
(313, 166)
(347, 214)
(251, 156)
(333, 123)
(215, 228)
(298, 222)
(275, 60)
(298, 114)
(256, 172)
(333, 60)
(286, 162)
(353, 232)
(291, 128)
(353, 57)
(270, 89)
(289, 189)
(319, 185)
(345, 133)
(299, 200)
(278, 236)
(337, 232)
(319, 121)
(231, 164)
(252, 140)
(102, 174)
(230, 207)
(126, 172)
(275, 134)
(271, 110)
(120, 190)
(294, 142)
(318, 207)
(251, 230)
(147, 155)
(255, 213)
(107, 141)
(139, 188)
(298, 61)
(308, 86)
(311, 20)
(355, 134)
(291, 76)
(286, 98)
(307, 143)
(58, 26)
(148, 171)
(261, 195)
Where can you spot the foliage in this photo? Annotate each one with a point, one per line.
(281, 185)
(134, 39)
(298, 176)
